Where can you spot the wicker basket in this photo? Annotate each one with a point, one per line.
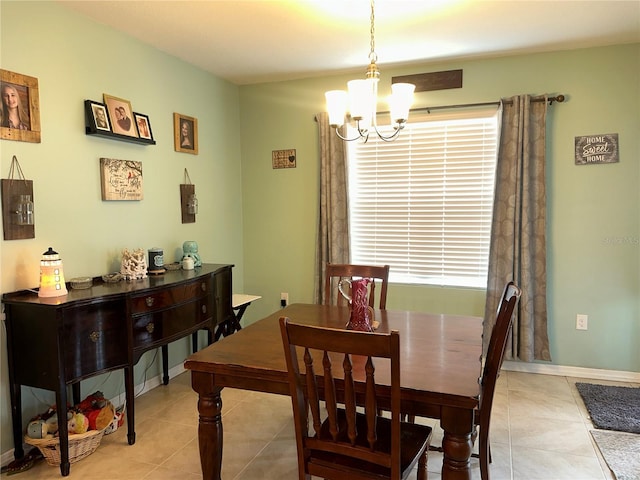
(81, 445)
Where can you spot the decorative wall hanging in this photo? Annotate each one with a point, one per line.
(185, 133)
(20, 107)
(283, 158)
(426, 82)
(591, 149)
(121, 179)
(188, 200)
(18, 216)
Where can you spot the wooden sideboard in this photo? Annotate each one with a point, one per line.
(56, 342)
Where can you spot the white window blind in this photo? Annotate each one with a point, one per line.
(423, 203)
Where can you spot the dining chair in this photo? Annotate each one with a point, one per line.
(345, 443)
(490, 373)
(337, 271)
(492, 365)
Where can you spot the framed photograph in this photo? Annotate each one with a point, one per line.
(121, 116)
(120, 179)
(19, 107)
(143, 125)
(185, 133)
(98, 117)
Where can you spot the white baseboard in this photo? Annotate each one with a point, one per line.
(569, 371)
(149, 384)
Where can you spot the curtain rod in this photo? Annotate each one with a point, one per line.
(556, 98)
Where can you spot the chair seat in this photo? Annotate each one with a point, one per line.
(415, 439)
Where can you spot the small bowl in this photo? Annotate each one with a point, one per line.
(81, 283)
(173, 266)
(112, 277)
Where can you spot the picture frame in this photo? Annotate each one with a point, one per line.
(121, 179)
(143, 125)
(185, 133)
(98, 116)
(121, 116)
(19, 121)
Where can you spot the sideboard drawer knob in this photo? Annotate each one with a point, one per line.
(203, 286)
(95, 336)
(204, 309)
(149, 301)
(150, 327)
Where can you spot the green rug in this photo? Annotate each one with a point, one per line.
(621, 451)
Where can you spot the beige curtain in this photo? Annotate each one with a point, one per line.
(518, 235)
(332, 244)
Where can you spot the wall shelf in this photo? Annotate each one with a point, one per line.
(90, 129)
(117, 136)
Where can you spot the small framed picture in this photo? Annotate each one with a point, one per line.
(143, 125)
(185, 133)
(121, 116)
(98, 116)
(19, 107)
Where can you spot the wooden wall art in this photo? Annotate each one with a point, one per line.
(188, 200)
(13, 188)
(20, 107)
(121, 179)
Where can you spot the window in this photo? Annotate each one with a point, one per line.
(423, 203)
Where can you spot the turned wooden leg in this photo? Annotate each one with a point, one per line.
(422, 465)
(457, 443)
(210, 424)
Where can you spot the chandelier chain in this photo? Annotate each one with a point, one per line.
(372, 54)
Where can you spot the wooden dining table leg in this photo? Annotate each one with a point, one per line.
(457, 443)
(209, 425)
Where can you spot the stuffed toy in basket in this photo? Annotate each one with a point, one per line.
(86, 425)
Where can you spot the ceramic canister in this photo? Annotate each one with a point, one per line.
(156, 259)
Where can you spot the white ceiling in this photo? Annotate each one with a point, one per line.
(252, 41)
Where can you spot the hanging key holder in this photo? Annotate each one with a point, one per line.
(18, 220)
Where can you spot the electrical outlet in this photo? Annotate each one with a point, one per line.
(582, 321)
(284, 299)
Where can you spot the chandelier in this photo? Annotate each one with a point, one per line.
(361, 100)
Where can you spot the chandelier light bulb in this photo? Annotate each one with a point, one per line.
(400, 101)
(336, 107)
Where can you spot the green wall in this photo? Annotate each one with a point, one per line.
(264, 220)
(76, 59)
(593, 210)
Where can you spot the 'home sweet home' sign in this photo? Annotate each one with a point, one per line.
(597, 149)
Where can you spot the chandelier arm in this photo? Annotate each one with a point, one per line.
(389, 138)
(361, 134)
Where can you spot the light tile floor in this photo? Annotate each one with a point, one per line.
(540, 430)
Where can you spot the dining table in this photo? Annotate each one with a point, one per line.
(440, 358)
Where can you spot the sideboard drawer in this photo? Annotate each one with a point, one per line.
(160, 299)
(94, 339)
(160, 326)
